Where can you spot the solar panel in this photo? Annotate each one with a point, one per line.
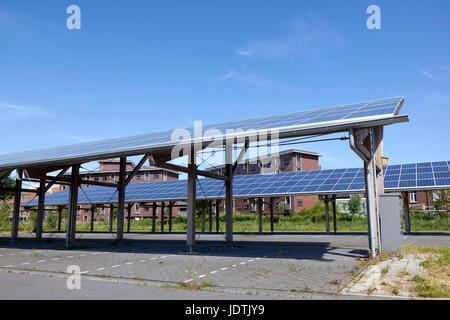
(251, 186)
(333, 119)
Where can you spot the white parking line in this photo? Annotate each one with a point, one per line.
(243, 262)
(41, 261)
(163, 257)
(213, 271)
(130, 262)
(84, 272)
(189, 280)
(233, 265)
(69, 257)
(100, 269)
(56, 258)
(203, 275)
(251, 260)
(117, 265)
(24, 264)
(224, 269)
(9, 266)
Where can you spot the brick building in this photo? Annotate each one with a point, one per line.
(285, 161)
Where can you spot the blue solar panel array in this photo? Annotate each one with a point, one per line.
(396, 178)
(325, 117)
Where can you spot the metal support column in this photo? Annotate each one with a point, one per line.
(327, 214)
(203, 215)
(170, 215)
(73, 206)
(163, 207)
(260, 224)
(129, 208)
(155, 208)
(92, 217)
(111, 217)
(41, 209)
(60, 210)
(229, 192)
(191, 199)
(210, 215)
(121, 198)
(17, 198)
(217, 215)
(272, 200)
(334, 214)
(406, 212)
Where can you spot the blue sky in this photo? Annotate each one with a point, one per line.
(143, 66)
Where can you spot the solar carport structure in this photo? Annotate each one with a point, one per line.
(363, 121)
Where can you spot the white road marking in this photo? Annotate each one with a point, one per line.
(163, 257)
(243, 262)
(203, 275)
(117, 265)
(84, 272)
(69, 257)
(224, 269)
(189, 280)
(56, 258)
(41, 261)
(130, 262)
(258, 258)
(213, 271)
(100, 269)
(251, 260)
(9, 266)
(233, 265)
(153, 259)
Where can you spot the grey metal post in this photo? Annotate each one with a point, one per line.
(371, 220)
(327, 214)
(170, 215)
(260, 226)
(163, 207)
(41, 209)
(73, 206)
(271, 214)
(406, 212)
(191, 199)
(121, 198)
(155, 208)
(60, 209)
(210, 215)
(334, 214)
(111, 217)
(17, 198)
(129, 208)
(217, 215)
(203, 215)
(92, 217)
(229, 192)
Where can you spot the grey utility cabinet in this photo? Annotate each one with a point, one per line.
(391, 231)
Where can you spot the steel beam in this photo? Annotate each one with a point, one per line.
(333, 201)
(163, 207)
(155, 208)
(48, 186)
(17, 198)
(229, 192)
(121, 198)
(327, 214)
(41, 209)
(73, 206)
(170, 215)
(210, 215)
(203, 215)
(191, 199)
(135, 170)
(129, 208)
(92, 209)
(260, 224)
(271, 203)
(406, 212)
(217, 215)
(60, 210)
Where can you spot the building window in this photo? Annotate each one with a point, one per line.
(299, 160)
(156, 175)
(137, 210)
(104, 178)
(299, 203)
(102, 212)
(147, 176)
(413, 197)
(138, 177)
(287, 161)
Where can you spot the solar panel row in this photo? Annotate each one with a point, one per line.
(326, 117)
(396, 178)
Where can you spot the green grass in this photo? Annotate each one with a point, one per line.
(435, 282)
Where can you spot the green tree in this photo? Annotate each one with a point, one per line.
(51, 219)
(5, 211)
(281, 206)
(354, 205)
(7, 183)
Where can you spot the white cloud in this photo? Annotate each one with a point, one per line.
(246, 77)
(10, 111)
(443, 72)
(303, 38)
(438, 98)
